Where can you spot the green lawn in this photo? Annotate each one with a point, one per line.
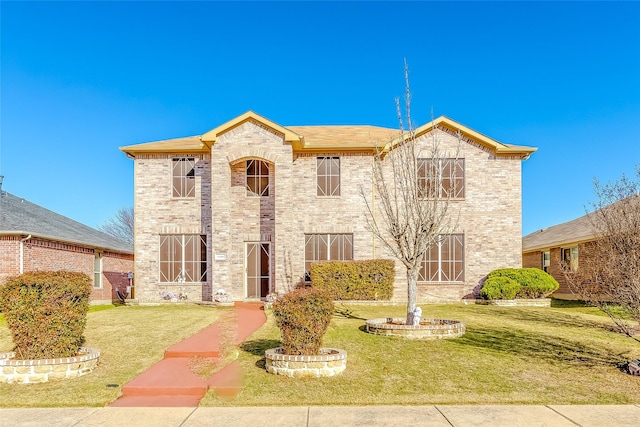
(130, 340)
(566, 354)
(508, 355)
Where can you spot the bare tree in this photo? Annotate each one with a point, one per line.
(413, 188)
(120, 225)
(608, 273)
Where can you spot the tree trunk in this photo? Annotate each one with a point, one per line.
(412, 288)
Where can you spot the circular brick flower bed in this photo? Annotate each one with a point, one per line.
(428, 329)
(331, 362)
(44, 370)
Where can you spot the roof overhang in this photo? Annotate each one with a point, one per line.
(444, 122)
(31, 234)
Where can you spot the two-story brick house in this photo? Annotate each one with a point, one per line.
(249, 205)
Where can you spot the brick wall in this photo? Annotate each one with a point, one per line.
(46, 255)
(9, 256)
(490, 214)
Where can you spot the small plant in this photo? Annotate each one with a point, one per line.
(532, 282)
(499, 288)
(303, 317)
(46, 312)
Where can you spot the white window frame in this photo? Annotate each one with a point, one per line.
(443, 267)
(332, 166)
(199, 265)
(326, 239)
(183, 170)
(97, 271)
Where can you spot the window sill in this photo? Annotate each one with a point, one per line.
(440, 283)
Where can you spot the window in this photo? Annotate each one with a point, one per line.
(546, 260)
(444, 260)
(184, 183)
(326, 247)
(183, 258)
(257, 178)
(570, 257)
(328, 176)
(97, 271)
(441, 178)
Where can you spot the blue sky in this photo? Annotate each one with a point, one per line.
(80, 79)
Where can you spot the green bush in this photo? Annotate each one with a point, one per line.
(46, 312)
(498, 287)
(303, 317)
(534, 283)
(369, 280)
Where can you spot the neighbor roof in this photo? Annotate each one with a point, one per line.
(323, 138)
(21, 217)
(568, 233)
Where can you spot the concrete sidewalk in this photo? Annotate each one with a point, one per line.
(334, 416)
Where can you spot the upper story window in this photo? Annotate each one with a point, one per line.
(444, 260)
(570, 257)
(441, 178)
(184, 174)
(257, 178)
(328, 176)
(183, 258)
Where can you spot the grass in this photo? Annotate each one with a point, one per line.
(509, 355)
(130, 340)
(566, 354)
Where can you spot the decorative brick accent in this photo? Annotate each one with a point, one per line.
(44, 370)
(331, 362)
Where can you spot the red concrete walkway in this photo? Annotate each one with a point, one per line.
(171, 382)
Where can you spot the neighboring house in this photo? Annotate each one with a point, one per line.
(249, 205)
(546, 248)
(33, 238)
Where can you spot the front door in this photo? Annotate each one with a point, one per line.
(257, 262)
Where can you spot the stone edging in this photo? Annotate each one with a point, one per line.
(44, 370)
(331, 362)
(533, 302)
(433, 329)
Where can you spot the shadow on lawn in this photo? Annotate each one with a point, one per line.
(531, 345)
(258, 347)
(555, 319)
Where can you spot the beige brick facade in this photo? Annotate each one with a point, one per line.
(222, 209)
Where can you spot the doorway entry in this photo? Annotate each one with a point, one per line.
(257, 269)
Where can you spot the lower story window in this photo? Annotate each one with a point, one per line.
(546, 260)
(570, 257)
(326, 247)
(444, 260)
(97, 271)
(183, 258)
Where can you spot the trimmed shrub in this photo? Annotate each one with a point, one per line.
(534, 282)
(499, 287)
(46, 312)
(369, 280)
(303, 317)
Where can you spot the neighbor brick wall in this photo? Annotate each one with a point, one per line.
(9, 257)
(46, 255)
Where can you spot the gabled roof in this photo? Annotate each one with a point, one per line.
(566, 234)
(213, 134)
(324, 138)
(21, 217)
(444, 122)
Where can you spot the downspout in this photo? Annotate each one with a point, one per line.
(22, 252)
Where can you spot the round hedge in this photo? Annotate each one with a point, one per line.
(46, 312)
(533, 282)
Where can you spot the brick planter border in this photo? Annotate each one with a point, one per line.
(44, 370)
(332, 362)
(429, 329)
